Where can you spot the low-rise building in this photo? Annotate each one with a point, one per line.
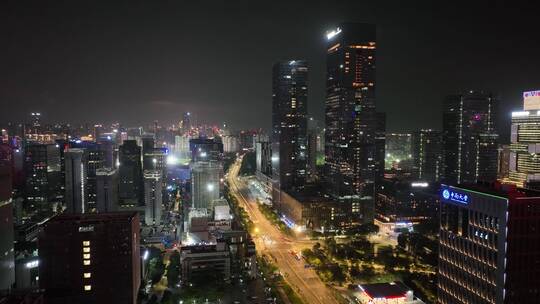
(386, 293)
(203, 260)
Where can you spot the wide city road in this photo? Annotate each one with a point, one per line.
(278, 246)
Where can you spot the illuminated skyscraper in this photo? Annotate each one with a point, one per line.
(186, 122)
(95, 157)
(289, 124)
(76, 166)
(524, 162)
(153, 197)
(470, 138)
(352, 144)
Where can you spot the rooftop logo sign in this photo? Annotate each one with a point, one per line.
(455, 196)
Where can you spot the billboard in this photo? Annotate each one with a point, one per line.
(531, 100)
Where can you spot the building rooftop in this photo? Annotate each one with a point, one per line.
(93, 217)
(385, 290)
(500, 189)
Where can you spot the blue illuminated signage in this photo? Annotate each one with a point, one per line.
(455, 196)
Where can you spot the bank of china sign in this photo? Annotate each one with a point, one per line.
(455, 196)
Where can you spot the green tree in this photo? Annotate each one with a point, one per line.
(403, 240)
(156, 268)
(173, 270)
(354, 271)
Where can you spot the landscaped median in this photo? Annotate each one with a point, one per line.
(276, 282)
(273, 217)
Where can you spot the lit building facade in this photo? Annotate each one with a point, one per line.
(206, 149)
(90, 258)
(76, 174)
(205, 183)
(398, 148)
(153, 197)
(107, 190)
(95, 159)
(181, 145)
(524, 161)
(7, 259)
(470, 138)
(488, 245)
(289, 124)
(352, 147)
(263, 157)
(427, 155)
(43, 174)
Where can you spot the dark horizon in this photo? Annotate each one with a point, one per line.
(103, 63)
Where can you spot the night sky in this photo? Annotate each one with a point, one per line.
(136, 61)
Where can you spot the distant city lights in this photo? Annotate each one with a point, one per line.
(520, 114)
(32, 264)
(333, 33)
(172, 160)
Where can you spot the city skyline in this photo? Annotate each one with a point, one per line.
(285, 152)
(78, 51)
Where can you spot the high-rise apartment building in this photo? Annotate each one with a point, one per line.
(470, 138)
(289, 124)
(230, 142)
(488, 245)
(427, 154)
(90, 258)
